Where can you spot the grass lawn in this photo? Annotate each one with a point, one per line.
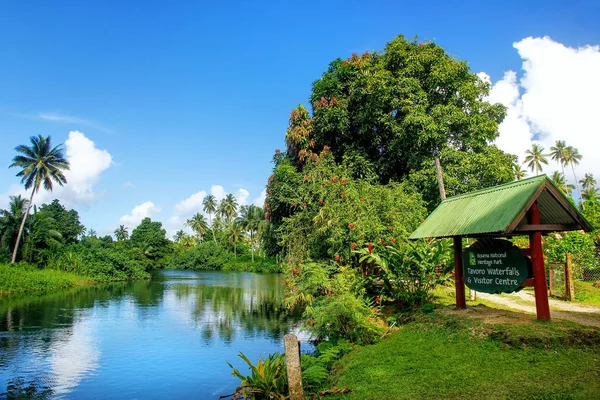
(587, 293)
(495, 354)
(22, 278)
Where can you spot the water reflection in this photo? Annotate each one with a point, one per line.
(114, 340)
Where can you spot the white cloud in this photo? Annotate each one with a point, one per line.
(54, 117)
(146, 209)
(128, 185)
(242, 196)
(260, 200)
(556, 99)
(87, 163)
(218, 191)
(191, 205)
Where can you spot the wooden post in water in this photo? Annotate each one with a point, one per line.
(459, 278)
(292, 361)
(570, 285)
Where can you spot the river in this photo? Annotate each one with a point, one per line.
(169, 337)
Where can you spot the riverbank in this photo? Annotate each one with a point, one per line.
(23, 278)
(481, 353)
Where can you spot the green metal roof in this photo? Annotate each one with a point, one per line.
(502, 211)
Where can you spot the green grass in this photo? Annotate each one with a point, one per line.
(444, 356)
(23, 278)
(586, 293)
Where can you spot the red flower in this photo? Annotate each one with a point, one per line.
(334, 179)
(376, 299)
(351, 226)
(393, 240)
(296, 271)
(293, 204)
(342, 194)
(277, 151)
(337, 258)
(304, 204)
(354, 245)
(327, 182)
(321, 201)
(370, 248)
(362, 200)
(382, 243)
(343, 181)
(292, 308)
(283, 281)
(305, 177)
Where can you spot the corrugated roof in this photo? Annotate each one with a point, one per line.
(501, 210)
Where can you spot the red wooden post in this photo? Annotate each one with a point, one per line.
(539, 272)
(459, 279)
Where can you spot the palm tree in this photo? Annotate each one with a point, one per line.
(590, 194)
(121, 233)
(561, 183)
(234, 235)
(10, 220)
(535, 158)
(519, 172)
(91, 232)
(572, 157)
(198, 224)
(228, 207)
(588, 182)
(209, 205)
(251, 217)
(41, 164)
(179, 235)
(558, 153)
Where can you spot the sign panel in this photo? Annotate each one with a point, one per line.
(498, 270)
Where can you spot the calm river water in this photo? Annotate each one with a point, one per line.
(159, 339)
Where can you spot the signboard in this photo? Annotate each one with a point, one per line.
(500, 270)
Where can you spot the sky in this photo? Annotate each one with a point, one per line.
(159, 103)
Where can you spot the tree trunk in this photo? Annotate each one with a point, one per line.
(578, 190)
(440, 178)
(14, 255)
(234, 250)
(252, 245)
(212, 228)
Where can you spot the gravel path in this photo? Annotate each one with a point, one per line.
(525, 301)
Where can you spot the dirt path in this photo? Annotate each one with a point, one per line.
(562, 310)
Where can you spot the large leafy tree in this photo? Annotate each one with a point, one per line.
(65, 221)
(150, 238)
(209, 205)
(399, 108)
(41, 165)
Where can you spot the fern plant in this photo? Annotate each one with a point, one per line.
(267, 379)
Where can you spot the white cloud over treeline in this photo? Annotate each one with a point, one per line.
(555, 98)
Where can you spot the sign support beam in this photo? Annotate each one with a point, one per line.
(459, 278)
(542, 306)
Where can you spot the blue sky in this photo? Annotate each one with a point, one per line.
(187, 95)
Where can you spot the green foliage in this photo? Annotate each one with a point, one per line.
(316, 367)
(582, 247)
(151, 239)
(343, 316)
(267, 379)
(23, 278)
(406, 272)
(66, 222)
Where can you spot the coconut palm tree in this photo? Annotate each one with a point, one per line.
(228, 207)
(250, 220)
(559, 153)
(590, 194)
(561, 183)
(573, 157)
(10, 220)
(588, 182)
(41, 165)
(198, 224)
(91, 232)
(234, 235)
(535, 158)
(519, 172)
(121, 233)
(179, 235)
(209, 205)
